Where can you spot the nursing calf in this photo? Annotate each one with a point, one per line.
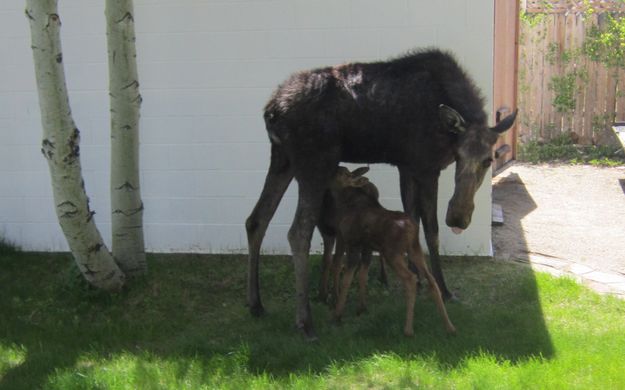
(363, 224)
(328, 227)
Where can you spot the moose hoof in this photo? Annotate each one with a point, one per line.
(323, 297)
(408, 332)
(450, 297)
(307, 332)
(257, 310)
(362, 310)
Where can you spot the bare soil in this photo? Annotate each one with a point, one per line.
(569, 212)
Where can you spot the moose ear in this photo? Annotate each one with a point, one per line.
(360, 171)
(451, 119)
(505, 123)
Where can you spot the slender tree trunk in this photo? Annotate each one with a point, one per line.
(60, 146)
(126, 204)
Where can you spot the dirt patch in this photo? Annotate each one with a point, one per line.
(569, 213)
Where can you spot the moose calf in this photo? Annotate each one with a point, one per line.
(331, 269)
(364, 224)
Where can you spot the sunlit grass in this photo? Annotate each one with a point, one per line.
(185, 327)
(11, 356)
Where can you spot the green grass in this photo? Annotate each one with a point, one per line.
(186, 327)
(562, 149)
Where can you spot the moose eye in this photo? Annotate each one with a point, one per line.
(486, 163)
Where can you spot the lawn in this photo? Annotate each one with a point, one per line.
(186, 327)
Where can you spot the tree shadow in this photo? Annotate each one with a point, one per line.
(509, 240)
(190, 313)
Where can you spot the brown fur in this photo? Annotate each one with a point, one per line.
(364, 224)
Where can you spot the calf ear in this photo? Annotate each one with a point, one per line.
(505, 123)
(360, 182)
(451, 119)
(360, 171)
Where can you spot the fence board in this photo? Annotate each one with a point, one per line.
(546, 98)
(581, 85)
(589, 101)
(602, 89)
(620, 97)
(558, 69)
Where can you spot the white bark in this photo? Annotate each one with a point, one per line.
(60, 146)
(126, 204)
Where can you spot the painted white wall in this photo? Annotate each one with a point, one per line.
(206, 69)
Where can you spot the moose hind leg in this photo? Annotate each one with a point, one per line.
(277, 181)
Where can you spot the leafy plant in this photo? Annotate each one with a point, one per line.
(564, 88)
(556, 55)
(562, 149)
(605, 43)
(533, 19)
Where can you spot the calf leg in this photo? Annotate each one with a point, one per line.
(328, 245)
(353, 256)
(363, 276)
(409, 279)
(277, 181)
(420, 202)
(337, 266)
(416, 257)
(383, 277)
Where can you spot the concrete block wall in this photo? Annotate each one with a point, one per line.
(206, 69)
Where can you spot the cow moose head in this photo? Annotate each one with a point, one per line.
(474, 155)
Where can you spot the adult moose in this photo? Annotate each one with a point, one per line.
(419, 112)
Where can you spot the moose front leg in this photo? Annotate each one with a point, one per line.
(427, 204)
(300, 234)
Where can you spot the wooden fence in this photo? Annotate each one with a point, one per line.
(560, 89)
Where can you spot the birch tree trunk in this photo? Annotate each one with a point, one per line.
(126, 204)
(60, 146)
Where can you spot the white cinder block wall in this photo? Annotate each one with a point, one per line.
(206, 69)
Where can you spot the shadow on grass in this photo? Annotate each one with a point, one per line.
(189, 313)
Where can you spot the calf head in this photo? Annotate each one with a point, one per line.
(474, 155)
(343, 178)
